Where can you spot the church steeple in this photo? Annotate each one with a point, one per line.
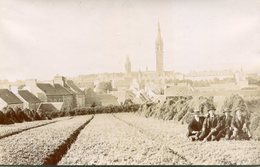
(159, 52)
(159, 32)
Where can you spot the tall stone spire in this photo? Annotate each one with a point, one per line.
(159, 52)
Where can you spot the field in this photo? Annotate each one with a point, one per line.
(118, 138)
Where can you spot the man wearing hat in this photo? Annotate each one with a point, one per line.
(210, 126)
(225, 129)
(240, 126)
(195, 126)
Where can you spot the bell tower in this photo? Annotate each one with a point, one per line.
(159, 52)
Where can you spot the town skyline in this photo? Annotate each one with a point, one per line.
(78, 42)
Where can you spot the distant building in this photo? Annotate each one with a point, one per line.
(49, 107)
(159, 52)
(47, 92)
(241, 80)
(128, 66)
(30, 101)
(78, 94)
(209, 75)
(9, 99)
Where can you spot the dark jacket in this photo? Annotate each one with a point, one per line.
(225, 122)
(195, 125)
(236, 123)
(210, 123)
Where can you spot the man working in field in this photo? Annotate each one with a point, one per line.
(225, 129)
(210, 126)
(195, 126)
(240, 126)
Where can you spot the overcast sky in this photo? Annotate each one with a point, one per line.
(41, 38)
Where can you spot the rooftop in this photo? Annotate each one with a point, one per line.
(9, 97)
(28, 96)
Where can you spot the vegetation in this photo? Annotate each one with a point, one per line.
(10, 116)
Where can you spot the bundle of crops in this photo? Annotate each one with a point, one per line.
(254, 108)
(255, 125)
(170, 112)
(29, 114)
(36, 115)
(253, 105)
(10, 114)
(133, 108)
(151, 110)
(181, 109)
(21, 116)
(44, 116)
(89, 110)
(71, 113)
(172, 108)
(198, 103)
(136, 107)
(235, 101)
(60, 114)
(169, 109)
(33, 115)
(144, 109)
(158, 110)
(98, 109)
(4, 120)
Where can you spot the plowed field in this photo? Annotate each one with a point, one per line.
(122, 138)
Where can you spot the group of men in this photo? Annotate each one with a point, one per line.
(211, 127)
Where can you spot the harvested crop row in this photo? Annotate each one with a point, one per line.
(107, 140)
(173, 135)
(35, 145)
(7, 130)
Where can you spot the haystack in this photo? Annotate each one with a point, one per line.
(254, 108)
(235, 101)
(21, 116)
(4, 120)
(198, 103)
(29, 114)
(10, 114)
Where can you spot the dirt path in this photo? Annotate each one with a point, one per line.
(223, 152)
(108, 140)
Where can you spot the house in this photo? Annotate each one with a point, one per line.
(30, 101)
(9, 99)
(57, 93)
(69, 85)
(48, 107)
(48, 92)
(78, 93)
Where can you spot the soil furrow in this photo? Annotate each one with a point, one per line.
(156, 139)
(58, 153)
(29, 128)
(23, 130)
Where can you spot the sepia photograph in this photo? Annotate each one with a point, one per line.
(129, 82)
